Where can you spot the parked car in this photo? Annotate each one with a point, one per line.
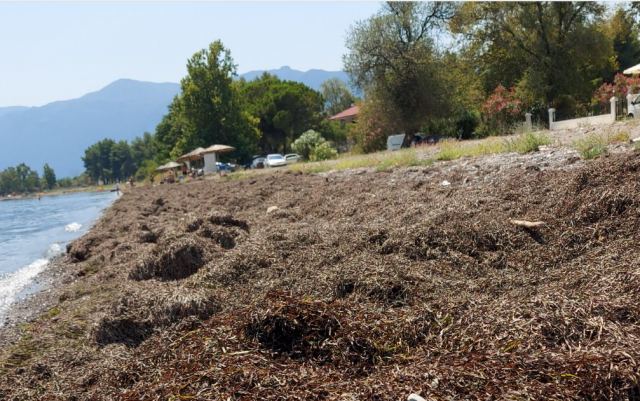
(258, 162)
(275, 160)
(228, 167)
(292, 158)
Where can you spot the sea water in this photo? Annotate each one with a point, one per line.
(34, 231)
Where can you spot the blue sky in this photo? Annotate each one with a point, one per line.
(54, 51)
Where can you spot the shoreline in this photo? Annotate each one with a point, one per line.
(27, 308)
(44, 291)
(58, 192)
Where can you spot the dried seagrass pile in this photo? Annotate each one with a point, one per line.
(358, 286)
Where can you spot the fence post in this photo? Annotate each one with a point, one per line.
(552, 117)
(527, 125)
(613, 108)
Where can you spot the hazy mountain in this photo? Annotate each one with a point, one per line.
(59, 132)
(311, 78)
(11, 109)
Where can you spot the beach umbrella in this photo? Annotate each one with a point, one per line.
(635, 70)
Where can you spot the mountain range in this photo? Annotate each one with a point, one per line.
(59, 132)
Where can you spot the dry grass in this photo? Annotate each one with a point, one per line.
(381, 161)
(596, 144)
(523, 143)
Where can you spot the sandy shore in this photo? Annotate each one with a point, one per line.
(43, 294)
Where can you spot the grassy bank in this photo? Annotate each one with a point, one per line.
(420, 156)
(382, 161)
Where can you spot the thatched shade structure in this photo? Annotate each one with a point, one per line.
(210, 156)
(193, 155)
(218, 149)
(169, 166)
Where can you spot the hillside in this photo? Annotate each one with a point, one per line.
(312, 78)
(59, 132)
(359, 285)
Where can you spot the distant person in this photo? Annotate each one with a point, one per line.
(117, 188)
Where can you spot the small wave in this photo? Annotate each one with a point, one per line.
(54, 250)
(12, 284)
(73, 227)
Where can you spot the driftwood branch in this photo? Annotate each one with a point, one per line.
(526, 223)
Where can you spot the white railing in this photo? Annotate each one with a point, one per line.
(579, 122)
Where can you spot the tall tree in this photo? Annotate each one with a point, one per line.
(546, 49)
(392, 56)
(144, 148)
(285, 109)
(48, 176)
(625, 35)
(27, 179)
(336, 96)
(121, 161)
(9, 181)
(208, 107)
(97, 160)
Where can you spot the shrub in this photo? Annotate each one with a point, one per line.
(323, 151)
(462, 125)
(621, 86)
(526, 143)
(591, 147)
(501, 111)
(312, 146)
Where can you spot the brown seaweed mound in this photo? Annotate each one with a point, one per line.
(366, 286)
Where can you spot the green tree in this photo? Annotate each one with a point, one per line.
(393, 58)
(144, 148)
(208, 109)
(48, 177)
(625, 33)
(336, 96)
(284, 109)
(170, 129)
(27, 179)
(98, 160)
(9, 181)
(122, 165)
(548, 51)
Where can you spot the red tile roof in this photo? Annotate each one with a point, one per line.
(350, 112)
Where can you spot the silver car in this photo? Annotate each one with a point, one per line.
(292, 158)
(275, 160)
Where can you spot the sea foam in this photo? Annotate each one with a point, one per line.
(13, 283)
(72, 227)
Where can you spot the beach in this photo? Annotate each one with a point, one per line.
(347, 285)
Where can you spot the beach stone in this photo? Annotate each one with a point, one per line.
(272, 209)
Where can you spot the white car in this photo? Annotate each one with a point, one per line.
(275, 160)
